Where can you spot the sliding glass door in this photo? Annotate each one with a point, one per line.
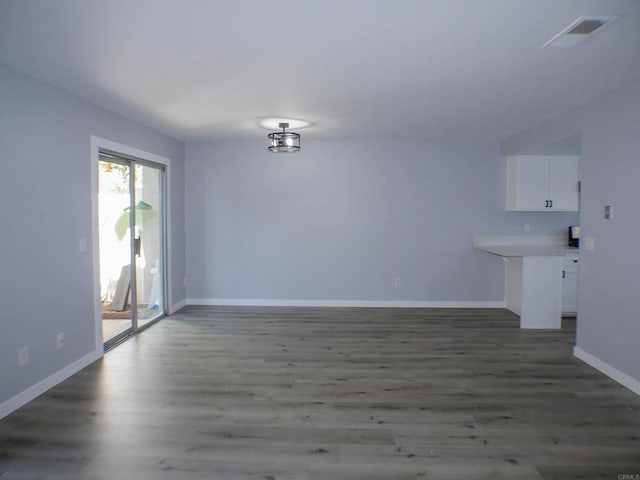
(132, 244)
(148, 244)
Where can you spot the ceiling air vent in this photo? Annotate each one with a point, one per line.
(579, 31)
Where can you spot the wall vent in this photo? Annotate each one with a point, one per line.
(579, 31)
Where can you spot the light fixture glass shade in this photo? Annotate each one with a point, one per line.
(284, 142)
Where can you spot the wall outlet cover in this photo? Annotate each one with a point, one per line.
(589, 243)
(23, 356)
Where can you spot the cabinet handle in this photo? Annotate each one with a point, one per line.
(550, 203)
(546, 204)
(564, 274)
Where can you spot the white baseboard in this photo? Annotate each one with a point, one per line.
(177, 306)
(42, 386)
(611, 372)
(262, 302)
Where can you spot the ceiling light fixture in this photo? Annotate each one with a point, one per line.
(271, 123)
(284, 142)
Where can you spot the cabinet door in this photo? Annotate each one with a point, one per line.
(563, 183)
(530, 177)
(570, 285)
(541, 183)
(570, 293)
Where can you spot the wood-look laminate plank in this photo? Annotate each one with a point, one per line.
(330, 393)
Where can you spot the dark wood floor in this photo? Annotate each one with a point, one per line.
(319, 394)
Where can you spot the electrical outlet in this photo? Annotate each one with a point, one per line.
(397, 282)
(23, 356)
(589, 243)
(60, 340)
(608, 212)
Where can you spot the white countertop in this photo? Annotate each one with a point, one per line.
(527, 250)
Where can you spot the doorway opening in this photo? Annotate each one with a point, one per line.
(131, 244)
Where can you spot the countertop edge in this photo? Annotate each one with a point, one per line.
(527, 250)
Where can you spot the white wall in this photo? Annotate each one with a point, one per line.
(46, 285)
(339, 221)
(609, 276)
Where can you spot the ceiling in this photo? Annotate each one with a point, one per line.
(406, 69)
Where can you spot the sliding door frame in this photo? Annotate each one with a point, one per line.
(136, 156)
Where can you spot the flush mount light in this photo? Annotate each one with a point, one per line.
(284, 142)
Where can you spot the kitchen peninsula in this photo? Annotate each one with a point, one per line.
(533, 278)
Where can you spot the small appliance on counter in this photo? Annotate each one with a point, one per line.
(574, 236)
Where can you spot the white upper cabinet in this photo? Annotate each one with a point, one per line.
(540, 183)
